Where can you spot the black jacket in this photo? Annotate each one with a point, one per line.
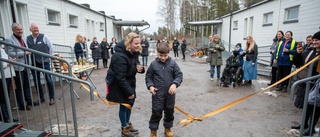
(299, 59)
(175, 44)
(145, 48)
(95, 51)
(123, 64)
(104, 46)
(252, 55)
(184, 45)
(162, 75)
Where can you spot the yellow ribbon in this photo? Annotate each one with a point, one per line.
(103, 100)
(191, 118)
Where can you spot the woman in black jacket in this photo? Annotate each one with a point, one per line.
(113, 44)
(95, 51)
(104, 46)
(300, 58)
(183, 48)
(124, 65)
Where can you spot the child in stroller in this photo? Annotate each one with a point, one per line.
(232, 72)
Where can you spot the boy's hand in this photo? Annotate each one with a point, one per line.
(172, 89)
(153, 90)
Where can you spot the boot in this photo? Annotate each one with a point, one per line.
(126, 132)
(308, 133)
(132, 130)
(153, 133)
(168, 132)
(284, 89)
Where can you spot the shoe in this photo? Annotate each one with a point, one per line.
(27, 108)
(36, 103)
(307, 133)
(153, 133)
(132, 130)
(126, 132)
(211, 79)
(245, 83)
(168, 132)
(51, 102)
(269, 84)
(177, 57)
(298, 127)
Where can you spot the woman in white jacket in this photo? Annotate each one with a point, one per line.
(9, 73)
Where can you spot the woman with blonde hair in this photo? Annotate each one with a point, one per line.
(250, 65)
(122, 84)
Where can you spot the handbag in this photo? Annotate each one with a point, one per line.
(314, 96)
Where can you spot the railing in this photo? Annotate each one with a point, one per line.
(43, 117)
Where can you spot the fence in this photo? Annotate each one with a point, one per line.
(42, 117)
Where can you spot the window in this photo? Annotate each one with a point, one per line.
(267, 19)
(73, 21)
(101, 26)
(235, 25)
(53, 17)
(291, 15)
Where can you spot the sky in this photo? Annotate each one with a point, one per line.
(133, 10)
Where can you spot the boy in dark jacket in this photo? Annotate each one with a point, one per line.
(162, 79)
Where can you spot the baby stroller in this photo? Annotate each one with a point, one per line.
(233, 72)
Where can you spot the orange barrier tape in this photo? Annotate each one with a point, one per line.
(103, 100)
(191, 118)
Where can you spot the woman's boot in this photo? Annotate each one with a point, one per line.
(126, 132)
(132, 130)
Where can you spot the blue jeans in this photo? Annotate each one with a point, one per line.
(144, 59)
(212, 71)
(124, 115)
(36, 79)
(96, 62)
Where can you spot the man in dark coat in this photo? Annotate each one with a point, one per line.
(183, 48)
(175, 46)
(104, 46)
(145, 50)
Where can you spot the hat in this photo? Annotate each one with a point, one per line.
(238, 44)
(316, 35)
(235, 53)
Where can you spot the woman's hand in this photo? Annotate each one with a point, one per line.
(274, 61)
(172, 89)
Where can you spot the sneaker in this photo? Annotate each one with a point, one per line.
(51, 102)
(177, 57)
(211, 79)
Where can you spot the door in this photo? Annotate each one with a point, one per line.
(5, 19)
(22, 17)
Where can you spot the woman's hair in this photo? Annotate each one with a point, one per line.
(250, 45)
(276, 38)
(78, 35)
(128, 40)
(290, 33)
(163, 48)
(114, 39)
(216, 36)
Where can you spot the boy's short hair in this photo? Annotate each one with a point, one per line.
(163, 48)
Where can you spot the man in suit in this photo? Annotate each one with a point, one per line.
(21, 79)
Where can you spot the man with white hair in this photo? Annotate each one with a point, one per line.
(42, 43)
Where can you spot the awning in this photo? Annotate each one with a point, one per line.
(130, 23)
(207, 22)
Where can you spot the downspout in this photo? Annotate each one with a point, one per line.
(230, 31)
(12, 11)
(105, 25)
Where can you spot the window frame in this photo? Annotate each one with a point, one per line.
(57, 17)
(101, 26)
(75, 18)
(287, 15)
(265, 19)
(235, 25)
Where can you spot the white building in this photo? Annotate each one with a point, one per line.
(264, 19)
(61, 20)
